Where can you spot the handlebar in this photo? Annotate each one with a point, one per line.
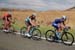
(67, 28)
(36, 26)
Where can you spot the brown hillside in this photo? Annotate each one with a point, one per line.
(43, 17)
(71, 9)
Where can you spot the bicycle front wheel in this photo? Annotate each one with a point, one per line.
(36, 34)
(67, 38)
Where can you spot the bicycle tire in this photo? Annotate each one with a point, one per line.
(51, 36)
(36, 36)
(22, 31)
(67, 37)
(11, 30)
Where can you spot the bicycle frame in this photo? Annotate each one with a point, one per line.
(63, 31)
(31, 29)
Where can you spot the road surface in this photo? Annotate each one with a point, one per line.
(16, 42)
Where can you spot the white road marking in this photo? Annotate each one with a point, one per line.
(45, 38)
(18, 33)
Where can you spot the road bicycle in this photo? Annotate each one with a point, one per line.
(34, 32)
(66, 37)
(10, 30)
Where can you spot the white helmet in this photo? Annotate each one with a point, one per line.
(34, 14)
(64, 17)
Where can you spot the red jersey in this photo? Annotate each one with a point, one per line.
(6, 16)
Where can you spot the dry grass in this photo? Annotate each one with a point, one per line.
(43, 17)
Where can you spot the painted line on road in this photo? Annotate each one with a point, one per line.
(18, 33)
(45, 38)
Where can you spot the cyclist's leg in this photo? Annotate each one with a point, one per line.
(5, 25)
(58, 30)
(8, 25)
(28, 29)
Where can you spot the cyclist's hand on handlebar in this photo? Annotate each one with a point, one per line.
(67, 27)
(36, 26)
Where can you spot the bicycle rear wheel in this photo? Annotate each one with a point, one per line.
(36, 34)
(23, 31)
(67, 38)
(49, 35)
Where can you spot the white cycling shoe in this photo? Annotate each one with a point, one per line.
(6, 30)
(27, 34)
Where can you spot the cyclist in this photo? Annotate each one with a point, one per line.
(59, 24)
(30, 21)
(7, 17)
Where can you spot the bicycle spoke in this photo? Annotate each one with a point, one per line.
(36, 34)
(22, 31)
(68, 38)
(49, 35)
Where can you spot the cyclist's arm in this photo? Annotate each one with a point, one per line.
(64, 24)
(33, 22)
(10, 19)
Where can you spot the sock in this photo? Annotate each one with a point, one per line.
(58, 34)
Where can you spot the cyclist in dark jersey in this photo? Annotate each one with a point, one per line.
(30, 21)
(59, 24)
(7, 21)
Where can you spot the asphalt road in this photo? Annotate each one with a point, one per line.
(16, 42)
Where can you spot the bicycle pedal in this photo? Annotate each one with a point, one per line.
(28, 37)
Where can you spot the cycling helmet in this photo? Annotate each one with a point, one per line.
(7, 13)
(64, 17)
(34, 14)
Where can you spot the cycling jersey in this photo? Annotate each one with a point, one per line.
(56, 22)
(27, 20)
(6, 21)
(6, 16)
